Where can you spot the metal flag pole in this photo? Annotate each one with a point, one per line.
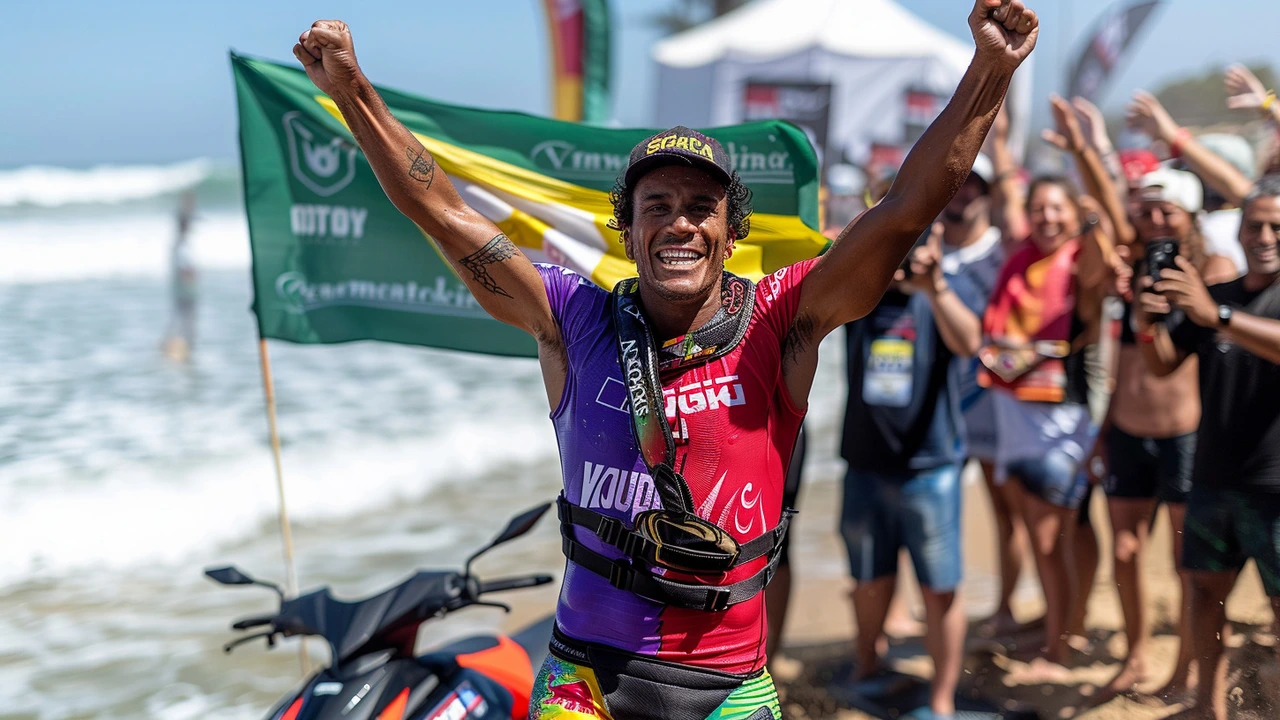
(286, 534)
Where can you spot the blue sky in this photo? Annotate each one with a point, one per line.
(148, 81)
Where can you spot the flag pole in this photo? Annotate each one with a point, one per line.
(286, 534)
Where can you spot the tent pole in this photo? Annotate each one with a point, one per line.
(286, 534)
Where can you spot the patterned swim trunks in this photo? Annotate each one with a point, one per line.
(564, 689)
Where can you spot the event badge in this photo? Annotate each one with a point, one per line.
(888, 379)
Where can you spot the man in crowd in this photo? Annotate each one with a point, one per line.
(1233, 513)
(903, 440)
(661, 612)
(975, 245)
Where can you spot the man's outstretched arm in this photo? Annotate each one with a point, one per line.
(849, 280)
(500, 277)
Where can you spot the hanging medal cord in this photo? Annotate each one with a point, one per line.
(641, 366)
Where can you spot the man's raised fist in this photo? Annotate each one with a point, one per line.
(1004, 30)
(327, 53)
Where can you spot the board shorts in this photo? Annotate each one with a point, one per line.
(1142, 467)
(919, 510)
(1224, 528)
(1043, 445)
(610, 684)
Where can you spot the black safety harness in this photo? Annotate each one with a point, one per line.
(674, 537)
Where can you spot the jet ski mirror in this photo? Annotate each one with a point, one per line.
(232, 575)
(519, 525)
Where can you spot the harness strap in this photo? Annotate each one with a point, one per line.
(625, 575)
(613, 532)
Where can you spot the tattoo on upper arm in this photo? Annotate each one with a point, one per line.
(497, 250)
(799, 339)
(422, 167)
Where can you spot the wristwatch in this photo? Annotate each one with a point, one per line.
(1224, 315)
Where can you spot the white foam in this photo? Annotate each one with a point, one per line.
(46, 186)
(147, 514)
(49, 247)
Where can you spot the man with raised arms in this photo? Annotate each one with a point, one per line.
(672, 520)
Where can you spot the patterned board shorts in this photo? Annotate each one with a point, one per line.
(564, 689)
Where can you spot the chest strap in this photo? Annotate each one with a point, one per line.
(631, 573)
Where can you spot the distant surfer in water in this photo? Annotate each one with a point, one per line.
(677, 398)
(181, 335)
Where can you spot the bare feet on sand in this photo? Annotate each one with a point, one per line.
(1133, 672)
(1191, 714)
(1181, 688)
(1039, 671)
(1003, 624)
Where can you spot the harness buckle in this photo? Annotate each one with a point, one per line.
(636, 545)
(610, 530)
(621, 575)
(717, 600)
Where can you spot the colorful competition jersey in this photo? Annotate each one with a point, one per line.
(735, 427)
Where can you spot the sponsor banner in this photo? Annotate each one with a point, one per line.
(334, 261)
(808, 105)
(885, 156)
(921, 108)
(1112, 35)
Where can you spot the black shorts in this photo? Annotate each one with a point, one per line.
(1149, 467)
(1227, 527)
(791, 493)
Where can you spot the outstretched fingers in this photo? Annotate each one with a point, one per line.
(1055, 139)
(1140, 106)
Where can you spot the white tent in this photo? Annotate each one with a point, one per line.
(870, 51)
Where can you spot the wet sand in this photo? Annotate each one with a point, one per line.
(820, 629)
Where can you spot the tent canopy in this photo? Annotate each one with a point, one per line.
(870, 61)
(770, 29)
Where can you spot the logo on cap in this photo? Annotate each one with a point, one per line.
(680, 142)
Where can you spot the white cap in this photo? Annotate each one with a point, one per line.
(1176, 186)
(1232, 148)
(984, 169)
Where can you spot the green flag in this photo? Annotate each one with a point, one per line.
(595, 62)
(334, 261)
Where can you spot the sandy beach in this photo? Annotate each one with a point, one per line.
(820, 627)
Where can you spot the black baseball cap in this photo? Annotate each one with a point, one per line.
(679, 146)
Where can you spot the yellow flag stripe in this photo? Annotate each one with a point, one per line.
(545, 211)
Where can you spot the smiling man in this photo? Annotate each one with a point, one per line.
(677, 397)
(1233, 512)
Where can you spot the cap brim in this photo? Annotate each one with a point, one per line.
(646, 165)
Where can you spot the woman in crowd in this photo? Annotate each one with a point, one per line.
(1147, 444)
(1045, 310)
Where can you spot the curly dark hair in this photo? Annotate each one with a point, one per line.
(738, 199)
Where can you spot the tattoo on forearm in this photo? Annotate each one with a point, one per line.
(799, 339)
(422, 167)
(497, 250)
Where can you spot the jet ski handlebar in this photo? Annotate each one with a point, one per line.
(513, 583)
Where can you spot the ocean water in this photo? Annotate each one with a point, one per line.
(123, 473)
